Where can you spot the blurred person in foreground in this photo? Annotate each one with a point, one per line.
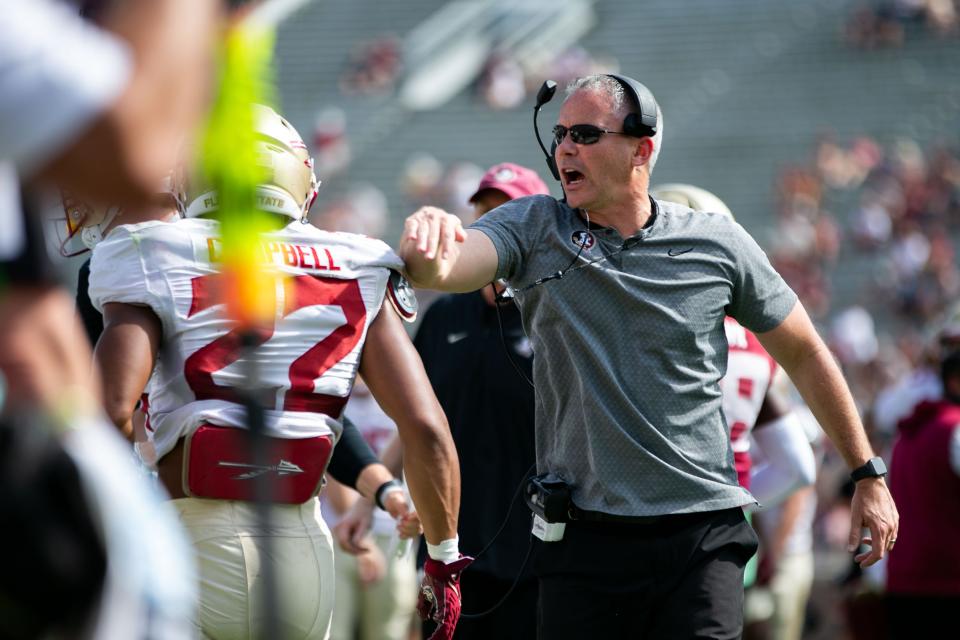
(630, 348)
(470, 349)
(98, 110)
(923, 570)
(159, 287)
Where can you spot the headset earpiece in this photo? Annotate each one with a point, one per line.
(552, 161)
(642, 122)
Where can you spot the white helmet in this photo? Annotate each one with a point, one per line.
(85, 221)
(690, 196)
(90, 222)
(289, 186)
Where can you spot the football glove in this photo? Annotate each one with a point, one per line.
(439, 598)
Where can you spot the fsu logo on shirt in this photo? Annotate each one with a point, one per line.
(583, 239)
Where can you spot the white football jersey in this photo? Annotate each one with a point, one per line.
(750, 371)
(305, 362)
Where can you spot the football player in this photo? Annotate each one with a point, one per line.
(159, 287)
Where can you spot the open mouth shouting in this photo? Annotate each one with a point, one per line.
(572, 178)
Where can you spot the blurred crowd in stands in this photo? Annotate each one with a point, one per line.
(880, 222)
(900, 207)
(883, 24)
(372, 67)
(506, 83)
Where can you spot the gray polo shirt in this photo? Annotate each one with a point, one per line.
(631, 349)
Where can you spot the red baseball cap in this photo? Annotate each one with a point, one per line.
(513, 180)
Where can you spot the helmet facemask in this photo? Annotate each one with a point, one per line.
(84, 220)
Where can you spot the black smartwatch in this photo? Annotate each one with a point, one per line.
(872, 468)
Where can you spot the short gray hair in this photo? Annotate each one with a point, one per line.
(611, 87)
(604, 84)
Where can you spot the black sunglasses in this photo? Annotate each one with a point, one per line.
(581, 133)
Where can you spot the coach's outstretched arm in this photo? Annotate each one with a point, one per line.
(801, 352)
(440, 254)
(392, 369)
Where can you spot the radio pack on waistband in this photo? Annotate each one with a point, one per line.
(217, 463)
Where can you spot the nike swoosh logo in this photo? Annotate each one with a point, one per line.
(456, 337)
(673, 254)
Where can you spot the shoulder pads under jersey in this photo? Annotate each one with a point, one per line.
(402, 296)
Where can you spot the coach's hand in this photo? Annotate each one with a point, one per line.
(439, 598)
(428, 244)
(872, 507)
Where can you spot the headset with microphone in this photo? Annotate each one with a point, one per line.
(641, 123)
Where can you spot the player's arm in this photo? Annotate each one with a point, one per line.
(128, 149)
(439, 254)
(393, 371)
(125, 354)
(798, 348)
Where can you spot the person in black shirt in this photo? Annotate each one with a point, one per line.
(490, 408)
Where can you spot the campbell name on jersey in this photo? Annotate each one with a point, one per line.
(305, 361)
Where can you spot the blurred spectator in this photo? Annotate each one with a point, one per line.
(502, 83)
(842, 168)
(331, 146)
(426, 181)
(576, 62)
(458, 183)
(883, 24)
(373, 67)
(853, 337)
(898, 400)
(420, 180)
(923, 581)
(873, 28)
(362, 209)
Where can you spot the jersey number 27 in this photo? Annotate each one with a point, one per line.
(300, 292)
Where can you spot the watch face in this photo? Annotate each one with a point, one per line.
(873, 468)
